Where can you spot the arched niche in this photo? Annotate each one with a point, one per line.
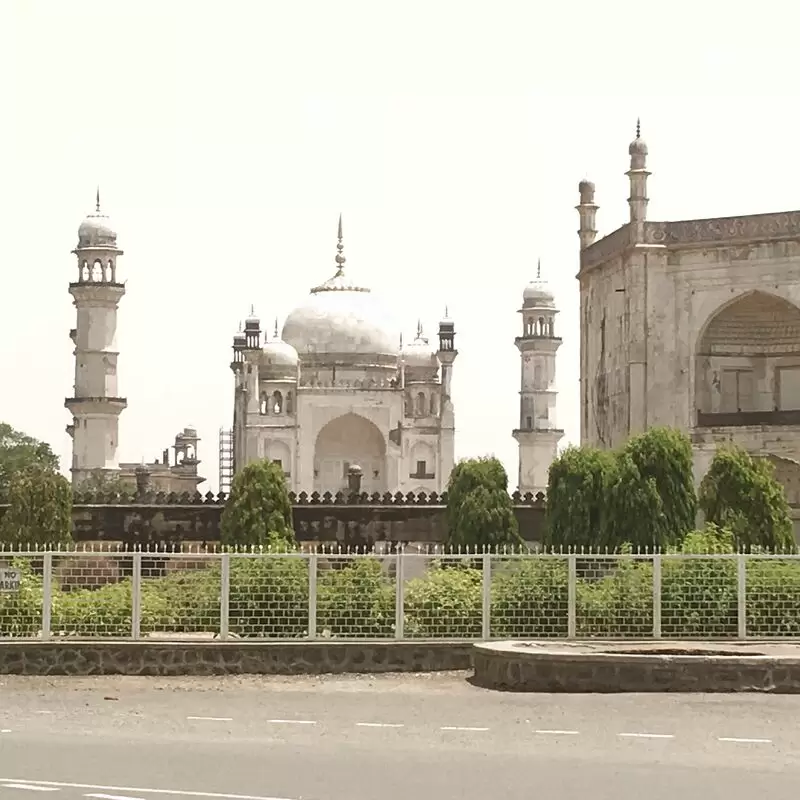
(345, 441)
(422, 461)
(747, 359)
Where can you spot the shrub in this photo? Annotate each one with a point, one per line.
(479, 509)
(356, 600)
(21, 613)
(258, 511)
(529, 598)
(445, 603)
(577, 490)
(740, 493)
(40, 508)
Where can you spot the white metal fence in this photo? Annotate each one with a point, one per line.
(403, 595)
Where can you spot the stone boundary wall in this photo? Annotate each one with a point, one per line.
(666, 668)
(230, 658)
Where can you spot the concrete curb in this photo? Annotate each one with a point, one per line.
(638, 667)
(71, 657)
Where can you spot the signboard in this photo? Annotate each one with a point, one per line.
(9, 580)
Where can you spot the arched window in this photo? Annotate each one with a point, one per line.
(85, 273)
(277, 402)
(420, 405)
(289, 403)
(434, 405)
(542, 331)
(97, 272)
(264, 404)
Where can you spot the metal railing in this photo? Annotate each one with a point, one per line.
(319, 594)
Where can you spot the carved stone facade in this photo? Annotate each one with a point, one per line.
(336, 390)
(693, 324)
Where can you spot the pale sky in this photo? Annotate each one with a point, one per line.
(227, 137)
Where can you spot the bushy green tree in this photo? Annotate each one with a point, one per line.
(18, 452)
(479, 509)
(663, 459)
(40, 508)
(740, 493)
(258, 511)
(577, 497)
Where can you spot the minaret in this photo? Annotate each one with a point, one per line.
(447, 354)
(587, 212)
(96, 405)
(638, 176)
(538, 434)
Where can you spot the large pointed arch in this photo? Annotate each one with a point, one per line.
(747, 360)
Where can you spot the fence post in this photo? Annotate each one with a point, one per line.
(741, 594)
(312, 595)
(657, 596)
(225, 596)
(572, 584)
(47, 595)
(486, 609)
(400, 593)
(136, 596)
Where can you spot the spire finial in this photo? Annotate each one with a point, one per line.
(419, 329)
(539, 269)
(638, 128)
(401, 340)
(340, 259)
(252, 310)
(276, 327)
(97, 200)
(240, 326)
(446, 313)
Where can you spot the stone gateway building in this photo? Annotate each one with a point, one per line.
(693, 324)
(336, 390)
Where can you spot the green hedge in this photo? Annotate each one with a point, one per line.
(529, 597)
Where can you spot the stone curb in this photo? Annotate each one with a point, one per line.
(504, 667)
(74, 657)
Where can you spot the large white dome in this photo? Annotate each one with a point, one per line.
(341, 318)
(345, 321)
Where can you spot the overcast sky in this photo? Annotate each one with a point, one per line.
(227, 137)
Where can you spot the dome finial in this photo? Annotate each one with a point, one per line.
(539, 269)
(419, 329)
(340, 259)
(638, 128)
(276, 327)
(97, 200)
(252, 310)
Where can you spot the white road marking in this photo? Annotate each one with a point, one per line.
(293, 721)
(559, 733)
(647, 735)
(31, 788)
(113, 797)
(139, 790)
(212, 719)
(379, 725)
(743, 741)
(459, 728)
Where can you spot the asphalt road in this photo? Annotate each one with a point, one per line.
(362, 738)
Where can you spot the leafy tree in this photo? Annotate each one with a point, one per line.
(258, 511)
(635, 513)
(479, 509)
(663, 459)
(40, 508)
(18, 452)
(740, 493)
(577, 497)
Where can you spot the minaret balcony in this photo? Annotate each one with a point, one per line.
(95, 404)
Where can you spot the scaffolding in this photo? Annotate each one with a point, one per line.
(225, 459)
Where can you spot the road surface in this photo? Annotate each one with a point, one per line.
(387, 737)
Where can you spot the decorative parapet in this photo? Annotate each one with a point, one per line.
(296, 499)
(751, 228)
(605, 248)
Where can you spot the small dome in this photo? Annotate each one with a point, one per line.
(239, 336)
(278, 359)
(537, 294)
(638, 147)
(96, 230)
(585, 186)
(420, 354)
